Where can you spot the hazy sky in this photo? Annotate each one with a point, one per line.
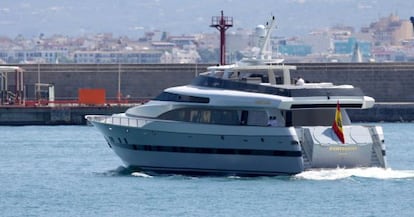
(134, 17)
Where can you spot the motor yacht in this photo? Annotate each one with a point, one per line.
(250, 119)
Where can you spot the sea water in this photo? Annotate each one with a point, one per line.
(70, 171)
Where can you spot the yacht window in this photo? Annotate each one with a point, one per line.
(244, 117)
(257, 118)
(315, 117)
(166, 96)
(203, 115)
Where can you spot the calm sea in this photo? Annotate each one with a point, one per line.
(70, 171)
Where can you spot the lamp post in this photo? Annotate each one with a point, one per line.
(38, 95)
(119, 79)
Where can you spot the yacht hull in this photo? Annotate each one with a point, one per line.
(160, 146)
(364, 147)
(202, 150)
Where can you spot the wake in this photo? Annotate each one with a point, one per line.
(341, 173)
(141, 174)
(315, 174)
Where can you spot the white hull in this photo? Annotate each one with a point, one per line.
(164, 146)
(179, 147)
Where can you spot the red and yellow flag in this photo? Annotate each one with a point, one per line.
(337, 124)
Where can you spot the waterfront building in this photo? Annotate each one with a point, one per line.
(391, 54)
(348, 46)
(390, 30)
(33, 56)
(181, 41)
(295, 49)
(239, 40)
(320, 41)
(186, 55)
(388, 39)
(125, 57)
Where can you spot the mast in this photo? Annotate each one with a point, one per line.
(269, 28)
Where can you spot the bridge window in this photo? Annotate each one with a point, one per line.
(166, 96)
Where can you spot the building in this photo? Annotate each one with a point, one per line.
(348, 46)
(181, 41)
(125, 57)
(390, 30)
(320, 41)
(293, 47)
(33, 56)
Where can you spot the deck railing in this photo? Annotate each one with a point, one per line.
(119, 120)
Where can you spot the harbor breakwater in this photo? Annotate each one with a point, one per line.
(17, 116)
(386, 82)
(391, 84)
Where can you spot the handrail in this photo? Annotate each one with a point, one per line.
(118, 120)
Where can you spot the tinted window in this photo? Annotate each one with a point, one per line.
(202, 115)
(165, 96)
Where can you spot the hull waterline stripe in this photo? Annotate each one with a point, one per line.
(197, 150)
(203, 171)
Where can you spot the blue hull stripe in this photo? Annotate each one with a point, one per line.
(204, 171)
(199, 150)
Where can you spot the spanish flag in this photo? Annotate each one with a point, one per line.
(337, 124)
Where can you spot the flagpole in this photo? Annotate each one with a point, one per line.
(337, 124)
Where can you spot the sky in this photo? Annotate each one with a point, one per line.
(134, 17)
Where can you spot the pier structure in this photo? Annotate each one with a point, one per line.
(13, 95)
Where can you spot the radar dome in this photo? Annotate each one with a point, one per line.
(261, 31)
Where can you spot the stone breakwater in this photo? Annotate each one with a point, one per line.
(391, 84)
(381, 112)
(386, 82)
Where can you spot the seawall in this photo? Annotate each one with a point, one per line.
(386, 82)
(384, 112)
(391, 84)
(18, 116)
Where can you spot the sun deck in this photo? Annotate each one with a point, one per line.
(281, 90)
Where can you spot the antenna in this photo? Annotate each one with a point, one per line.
(269, 29)
(222, 23)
